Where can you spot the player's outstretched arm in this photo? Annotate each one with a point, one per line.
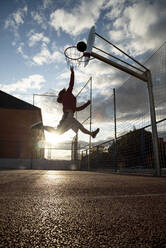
(71, 83)
(83, 106)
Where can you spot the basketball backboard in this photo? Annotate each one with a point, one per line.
(90, 43)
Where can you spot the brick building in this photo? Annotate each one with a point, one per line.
(17, 140)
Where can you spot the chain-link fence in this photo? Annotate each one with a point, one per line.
(132, 148)
(81, 140)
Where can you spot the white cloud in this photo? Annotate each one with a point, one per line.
(46, 57)
(117, 35)
(137, 29)
(15, 20)
(104, 76)
(81, 17)
(34, 81)
(40, 19)
(20, 50)
(38, 37)
(141, 16)
(116, 9)
(47, 3)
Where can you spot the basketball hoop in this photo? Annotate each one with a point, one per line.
(74, 57)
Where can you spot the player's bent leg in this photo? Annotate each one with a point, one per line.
(50, 129)
(57, 130)
(93, 134)
(37, 125)
(84, 130)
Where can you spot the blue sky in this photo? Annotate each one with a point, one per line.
(34, 34)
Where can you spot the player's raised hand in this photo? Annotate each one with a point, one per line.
(89, 102)
(71, 68)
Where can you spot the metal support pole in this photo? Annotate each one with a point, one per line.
(119, 66)
(76, 148)
(157, 170)
(90, 125)
(115, 133)
(86, 157)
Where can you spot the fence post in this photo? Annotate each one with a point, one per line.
(157, 171)
(90, 126)
(115, 133)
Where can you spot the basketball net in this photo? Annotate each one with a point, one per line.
(74, 57)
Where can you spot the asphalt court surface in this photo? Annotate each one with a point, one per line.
(40, 208)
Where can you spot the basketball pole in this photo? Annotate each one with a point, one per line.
(146, 77)
(118, 66)
(90, 125)
(90, 115)
(157, 169)
(115, 131)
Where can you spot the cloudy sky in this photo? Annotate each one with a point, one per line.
(34, 34)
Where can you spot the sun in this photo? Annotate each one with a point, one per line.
(54, 139)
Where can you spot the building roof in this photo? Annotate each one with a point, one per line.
(11, 102)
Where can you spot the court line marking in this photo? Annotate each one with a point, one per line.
(98, 197)
(130, 196)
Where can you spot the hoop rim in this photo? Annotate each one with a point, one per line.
(79, 58)
(67, 56)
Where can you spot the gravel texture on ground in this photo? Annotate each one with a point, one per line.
(81, 209)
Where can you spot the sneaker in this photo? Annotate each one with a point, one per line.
(95, 133)
(37, 125)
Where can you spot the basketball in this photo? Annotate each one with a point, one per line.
(81, 46)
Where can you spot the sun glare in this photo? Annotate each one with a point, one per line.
(52, 138)
(55, 139)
